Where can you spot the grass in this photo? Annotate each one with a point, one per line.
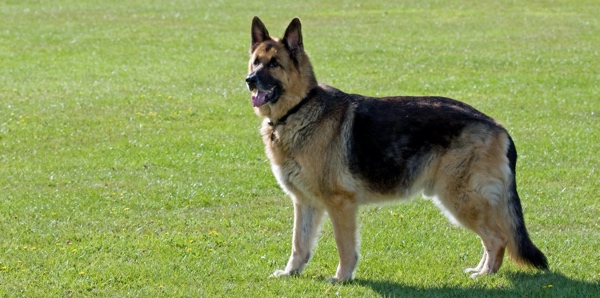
(131, 163)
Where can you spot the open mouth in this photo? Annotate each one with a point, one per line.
(260, 97)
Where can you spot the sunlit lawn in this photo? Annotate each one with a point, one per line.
(131, 163)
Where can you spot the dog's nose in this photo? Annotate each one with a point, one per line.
(251, 81)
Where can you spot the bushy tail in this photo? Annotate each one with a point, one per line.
(520, 248)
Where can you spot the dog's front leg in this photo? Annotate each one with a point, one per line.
(343, 218)
(307, 223)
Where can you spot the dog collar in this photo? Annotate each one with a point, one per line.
(293, 110)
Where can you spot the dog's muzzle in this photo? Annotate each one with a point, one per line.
(251, 81)
(263, 91)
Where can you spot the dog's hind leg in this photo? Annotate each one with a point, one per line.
(479, 216)
(475, 204)
(494, 245)
(480, 265)
(471, 185)
(307, 223)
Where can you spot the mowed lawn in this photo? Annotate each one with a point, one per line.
(131, 164)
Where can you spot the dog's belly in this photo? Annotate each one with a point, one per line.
(315, 184)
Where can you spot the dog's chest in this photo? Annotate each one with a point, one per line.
(294, 160)
(285, 141)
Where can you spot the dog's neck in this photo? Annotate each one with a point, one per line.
(293, 110)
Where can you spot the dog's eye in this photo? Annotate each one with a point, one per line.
(273, 63)
(255, 62)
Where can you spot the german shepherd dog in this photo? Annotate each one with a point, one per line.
(332, 152)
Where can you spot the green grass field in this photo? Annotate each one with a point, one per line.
(131, 165)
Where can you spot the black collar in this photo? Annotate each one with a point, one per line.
(296, 108)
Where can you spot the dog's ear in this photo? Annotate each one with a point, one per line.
(259, 33)
(292, 39)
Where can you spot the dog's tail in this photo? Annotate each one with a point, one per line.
(520, 248)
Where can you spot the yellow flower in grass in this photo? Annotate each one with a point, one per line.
(213, 233)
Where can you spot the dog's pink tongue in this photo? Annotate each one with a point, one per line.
(258, 98)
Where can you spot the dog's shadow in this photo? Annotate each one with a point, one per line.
(546, 284)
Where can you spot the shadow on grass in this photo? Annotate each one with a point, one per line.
(523, 285)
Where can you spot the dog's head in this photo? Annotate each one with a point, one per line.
(279, 72)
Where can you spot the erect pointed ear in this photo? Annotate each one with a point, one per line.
(259, 33)
(292, 39)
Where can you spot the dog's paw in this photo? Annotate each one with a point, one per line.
(335, 279)
(475, 273)
(283, 273)
(472, 270)
(279, 273)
